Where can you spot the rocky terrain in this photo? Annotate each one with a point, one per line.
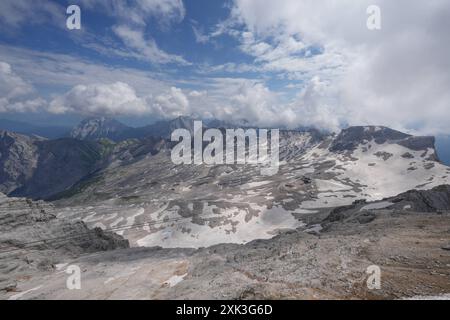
(198, 206)
(107, 128)
(97, 128)
(38, 168)
(338, 204)
(32, 239)
(34, 167)
(327, 259)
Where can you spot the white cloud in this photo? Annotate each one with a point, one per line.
(131, 19)
(171, 10)
(16, 13)
(88, 88)
(315, 105)
(12, 85)
(173, 103)
(140, 11)
(91, 89)
(397, 76)
(344, 73)
(16, 95)
(238, 99)
(200, 36)
(145, 49)
(99, 99)
(22, 106)
(60, 72)
(119, 98)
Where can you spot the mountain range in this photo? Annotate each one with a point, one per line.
(136, 177)
(344, 200)
(108, 128)
(95, 128)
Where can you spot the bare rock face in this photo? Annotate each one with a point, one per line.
(226, 230)
(37, 168)
(330, 263)
(165, 128)
(32, 238)
(18, 160)
(98, 128)
(106, 128)
(26, 224)
(349, 139)
(434, 200)
(61, 163)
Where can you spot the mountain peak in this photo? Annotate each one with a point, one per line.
(350, 138)
(94, 128)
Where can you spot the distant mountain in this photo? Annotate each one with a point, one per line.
(349, 139)
(363, 160)
(50, 132)
(164, 128)
(102, 127)
(98, 128)
(39, 168)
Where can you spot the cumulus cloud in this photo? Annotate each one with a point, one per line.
(339, 72)
(22, 106)
(91, 88)
(16, 95)
(12, 85)
(238, 100)
(119, 98)
(397, 76)
(110, 99)
(173, 103)
(227, 99)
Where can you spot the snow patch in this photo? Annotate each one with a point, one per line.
(174, 280)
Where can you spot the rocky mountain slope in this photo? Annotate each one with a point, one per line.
(108, 128)
(338, 204)
(326, 259)
(32, 239)
(38, 168)
(164, 128)
(109, 185)
(199, 205)
(98, 128)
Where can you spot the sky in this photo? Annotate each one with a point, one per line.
(285, 63)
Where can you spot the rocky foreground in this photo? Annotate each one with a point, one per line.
(407, 236)
(33, 240)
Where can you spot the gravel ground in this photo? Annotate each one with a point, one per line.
(408, 247)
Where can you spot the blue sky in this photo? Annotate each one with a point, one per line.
(278, 63)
